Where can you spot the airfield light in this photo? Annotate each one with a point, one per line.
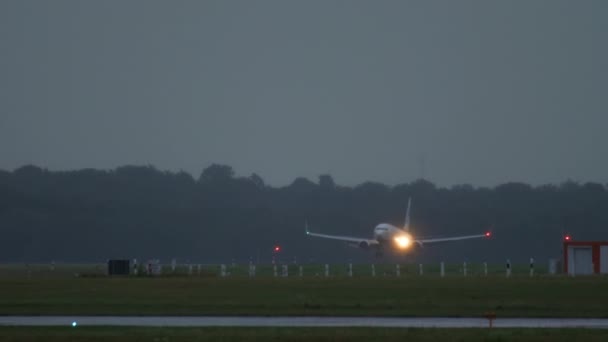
(567, 238)
(74, 324)
(403, 241)
(277, 248)
(488, 234)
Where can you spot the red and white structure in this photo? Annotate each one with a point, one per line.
(585, 257)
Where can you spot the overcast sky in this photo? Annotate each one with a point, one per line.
(479, 92)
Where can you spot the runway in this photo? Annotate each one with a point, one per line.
(256, 321)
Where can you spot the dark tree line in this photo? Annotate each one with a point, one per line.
(139, 211)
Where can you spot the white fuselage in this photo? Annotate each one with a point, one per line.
(385, 232)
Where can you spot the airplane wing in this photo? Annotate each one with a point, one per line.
(454, 238)
(349, 239)
(370, 242)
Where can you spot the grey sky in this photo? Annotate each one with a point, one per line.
(485, 91)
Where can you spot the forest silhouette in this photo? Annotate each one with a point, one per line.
(142, 212)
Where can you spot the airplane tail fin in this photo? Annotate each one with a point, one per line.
(406, 225)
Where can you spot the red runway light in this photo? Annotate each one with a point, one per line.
(567, 238)
(488, 234)
(277, 248)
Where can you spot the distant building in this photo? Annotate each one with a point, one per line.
(585, 257)
(119, 267)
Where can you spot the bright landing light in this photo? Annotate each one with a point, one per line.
(403, 241)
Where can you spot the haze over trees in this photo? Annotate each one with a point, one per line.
(142, 212)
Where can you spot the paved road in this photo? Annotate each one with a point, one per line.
(226, 321)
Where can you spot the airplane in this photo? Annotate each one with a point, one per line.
(386, 234)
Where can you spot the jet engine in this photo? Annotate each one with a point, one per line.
(363, 245)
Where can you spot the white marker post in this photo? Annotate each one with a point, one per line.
(285, 271)
(274, 270)
(398, 270)
(531, 267)
(485, 268)
(301, 271)
(173, 264)
(508, 268)
(326, 270)
(552, 266)
(420, 269)
(350, 270)
(464, 268)
(373, 270)
(223, 270)
(442, 269)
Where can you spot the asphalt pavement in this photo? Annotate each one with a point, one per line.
(254, 321)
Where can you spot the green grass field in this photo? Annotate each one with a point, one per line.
(117, 334)
(42, 291)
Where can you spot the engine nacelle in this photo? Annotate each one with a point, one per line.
(414, 248)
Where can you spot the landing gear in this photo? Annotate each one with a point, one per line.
(379, 253)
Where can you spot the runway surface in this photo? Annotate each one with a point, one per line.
(228, 321)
